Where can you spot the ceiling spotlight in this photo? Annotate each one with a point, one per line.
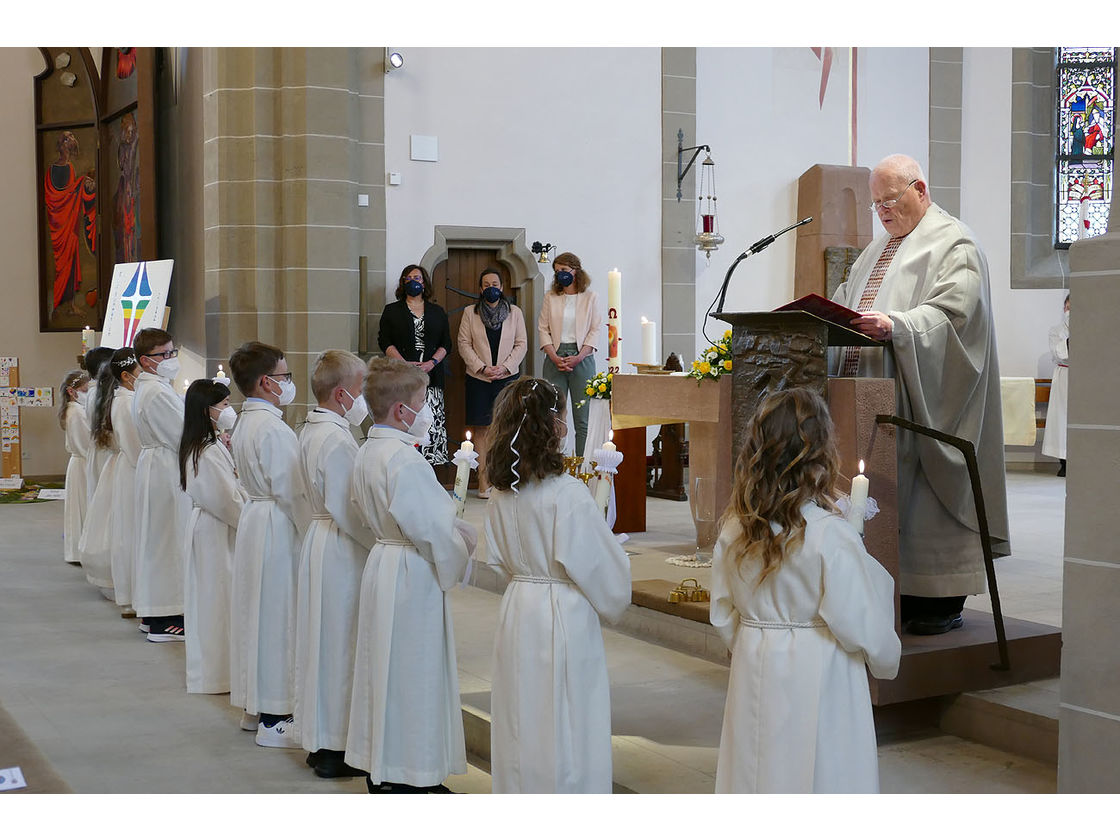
(393, 60)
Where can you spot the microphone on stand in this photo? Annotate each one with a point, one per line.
(760, 245)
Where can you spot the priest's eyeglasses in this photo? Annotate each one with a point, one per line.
(876, 206)
(167, 354)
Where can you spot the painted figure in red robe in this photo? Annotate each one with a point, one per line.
(125, 235)
(71, 202)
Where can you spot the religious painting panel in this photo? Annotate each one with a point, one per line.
(68, 195)
(68, 228)
(123, 226)
(1086, 86)
(119, 75)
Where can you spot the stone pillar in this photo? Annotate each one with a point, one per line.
(292, 137)
(678, 219)
(1089, 717)
(838, 198)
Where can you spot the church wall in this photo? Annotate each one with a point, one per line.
(44, 357)
(565, 143)
(1023, 316)
(760, 111)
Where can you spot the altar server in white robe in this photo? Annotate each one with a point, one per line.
(162, 507)
(96, 545)
(266, 556)
(1054, 436)
(922, 288)
(803, 608)
(550, 728)
(207, 475)
(406, 721)
(333, 558)
(72, 396)
(126, 370)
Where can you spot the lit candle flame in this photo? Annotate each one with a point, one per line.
(645, 320)
(610, 435)
(861, 466)
(468, 435)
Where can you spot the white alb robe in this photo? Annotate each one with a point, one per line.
(1057, 413)
(266, 560)
(217, 499)
(406, 719)
(550, 728)
(330, 578)
(123, 550)
(798, 715)
(96, 546)
(942, 356)
(74, 506)
(162, 507)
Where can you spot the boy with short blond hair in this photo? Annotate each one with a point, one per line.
(406, 724)
(331, 563)
(266, 553)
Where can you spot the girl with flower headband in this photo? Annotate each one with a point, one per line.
(550, 698)
(125, 367)
(805, 610)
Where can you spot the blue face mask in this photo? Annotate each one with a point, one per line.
(565, 278)
(491, 294)
(414, 288)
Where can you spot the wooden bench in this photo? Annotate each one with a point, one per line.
(1041, 400)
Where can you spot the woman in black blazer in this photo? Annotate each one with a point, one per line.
(417, 331)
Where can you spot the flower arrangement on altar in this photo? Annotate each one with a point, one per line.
(598, 387)
(713, 362)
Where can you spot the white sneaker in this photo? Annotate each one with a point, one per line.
(280, 734)
(249, 722)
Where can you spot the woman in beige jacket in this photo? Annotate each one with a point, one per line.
(492, 343)
(569, 325)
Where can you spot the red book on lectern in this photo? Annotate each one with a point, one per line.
(823, 308)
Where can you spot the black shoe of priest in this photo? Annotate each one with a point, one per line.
(934, 625)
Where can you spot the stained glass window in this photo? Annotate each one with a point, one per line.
(1086, 88)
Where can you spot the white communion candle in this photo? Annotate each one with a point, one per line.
(858, 508)
(462, 476)
(614, 321)
(649, 341)
(603, 493)
(609, 445)
(87, 339)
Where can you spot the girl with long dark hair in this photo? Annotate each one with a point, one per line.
(125, 367)
(96, 544)
(207, 474)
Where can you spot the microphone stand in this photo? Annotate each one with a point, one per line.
(763, 243)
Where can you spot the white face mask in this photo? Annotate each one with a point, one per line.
(356, 414)
(226, 419)
(168, 368)
(1065, 318)
(421, 423)
(287, 391)
(82, 397)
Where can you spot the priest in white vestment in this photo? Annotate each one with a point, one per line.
(922, 288)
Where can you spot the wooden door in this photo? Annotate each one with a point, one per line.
(455, 287)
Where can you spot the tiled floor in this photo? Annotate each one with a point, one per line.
(109, 710)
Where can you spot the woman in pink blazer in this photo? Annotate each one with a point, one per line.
(569, 325)
(492, 344)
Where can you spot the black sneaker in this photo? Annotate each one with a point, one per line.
(331, 764)
(165, 629)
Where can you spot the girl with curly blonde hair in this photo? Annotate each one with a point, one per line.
(805, 610)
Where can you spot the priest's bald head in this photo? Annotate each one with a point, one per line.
(899, 193)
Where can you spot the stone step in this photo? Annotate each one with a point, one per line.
(1020, 719)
